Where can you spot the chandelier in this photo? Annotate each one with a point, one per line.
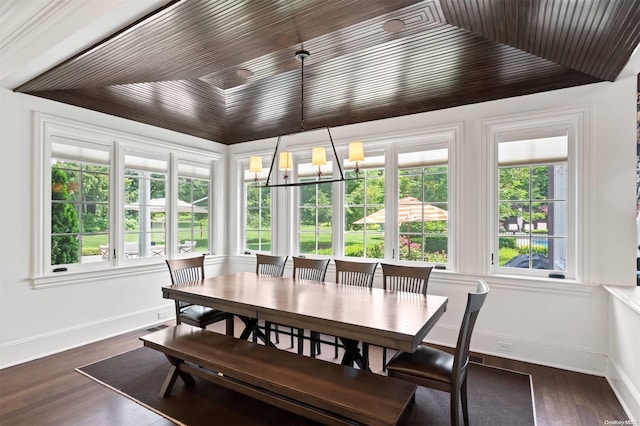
(318, 153)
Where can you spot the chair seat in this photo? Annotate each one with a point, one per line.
(202, 314)
(426, 363)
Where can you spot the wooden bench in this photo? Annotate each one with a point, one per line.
(319, 390)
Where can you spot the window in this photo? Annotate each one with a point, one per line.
(315, 211)
(193, 207)
(106, 199)
(80, 176)
(423, 207)
(532, 203)
(145, 209)
(257, 235)
(364, 209)
(538, 166)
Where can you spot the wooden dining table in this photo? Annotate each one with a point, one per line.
(391, 319)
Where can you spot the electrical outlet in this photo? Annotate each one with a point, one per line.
(505, 347)
(163, 314)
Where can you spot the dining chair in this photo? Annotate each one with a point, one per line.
(310, 269)
(436, 369)
(314, 270)
(357, 274)
(272, 266)
(186, 270)
(412, 279)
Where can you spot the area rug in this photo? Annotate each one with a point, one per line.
(496, 396)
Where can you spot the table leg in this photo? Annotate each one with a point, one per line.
(251, 326)
(229, 326)
(352, 356)
(301, 341)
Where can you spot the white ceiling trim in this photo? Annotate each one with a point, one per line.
(36, 35)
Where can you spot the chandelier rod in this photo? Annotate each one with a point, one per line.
(301, 55)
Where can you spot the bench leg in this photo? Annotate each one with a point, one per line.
(172, 375)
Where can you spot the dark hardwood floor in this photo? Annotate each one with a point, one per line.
(48, 391)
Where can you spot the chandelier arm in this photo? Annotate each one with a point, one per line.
(273, 160)
(335, 154)
(310, 182)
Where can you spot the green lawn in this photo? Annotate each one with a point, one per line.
(307, 237)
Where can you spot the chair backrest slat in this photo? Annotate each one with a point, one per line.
(355, 273)
(474, 303)
(270, 265)
(184, 271)
(413, 279)
(310, 269)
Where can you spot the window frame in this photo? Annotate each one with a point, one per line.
(305, 159)
(572, 122)
(390, 145)
(339, 200)
(116, 143)
(418, 148)
(175, 185)
(146, 155)
(246, 181)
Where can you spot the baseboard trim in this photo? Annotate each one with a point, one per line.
(624, 390)
(536, 352)
(28, 349)
(542, 353)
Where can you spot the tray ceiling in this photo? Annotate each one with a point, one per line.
(177, 68)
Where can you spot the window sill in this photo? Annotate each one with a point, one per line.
(82, 277)
(559, 285)
(630, 296)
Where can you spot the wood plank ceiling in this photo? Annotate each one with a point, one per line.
(177, 68)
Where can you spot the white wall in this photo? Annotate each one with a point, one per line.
(551, 322)
(33, 322)
(624, 347)
(564, 325)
